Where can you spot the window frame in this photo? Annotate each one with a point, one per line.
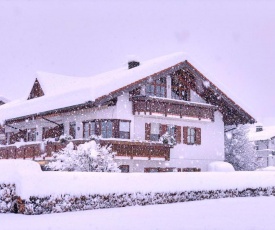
(31, 135)
(72, 129)
(155, 136)
(191, 137)
(157, 88)
(106, 128)
(123, 134)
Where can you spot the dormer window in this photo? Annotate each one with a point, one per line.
(156, 88)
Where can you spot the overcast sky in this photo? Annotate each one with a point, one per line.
(230, 42)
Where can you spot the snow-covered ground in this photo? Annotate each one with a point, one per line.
(221, 214)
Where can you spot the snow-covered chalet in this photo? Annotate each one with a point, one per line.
(130, 108)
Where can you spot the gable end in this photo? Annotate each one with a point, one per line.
(36, 91)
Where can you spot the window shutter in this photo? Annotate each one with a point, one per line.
(116, 128)
(198, 136)
(185, 134)
(178, 134)
(163, 129)
(147, 131)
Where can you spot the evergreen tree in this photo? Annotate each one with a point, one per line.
(239, 151)
(88, 157)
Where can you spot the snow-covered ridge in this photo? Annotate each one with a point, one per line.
(64, 91)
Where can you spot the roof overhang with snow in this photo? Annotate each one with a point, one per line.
(74, 93)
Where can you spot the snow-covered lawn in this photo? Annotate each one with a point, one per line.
(232, 213)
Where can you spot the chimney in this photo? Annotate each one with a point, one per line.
(133, 64)
(259, 128)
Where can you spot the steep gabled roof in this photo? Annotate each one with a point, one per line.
(62, 92)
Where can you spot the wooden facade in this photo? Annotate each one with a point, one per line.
(123, 149)
(36, 91)
(163, 106)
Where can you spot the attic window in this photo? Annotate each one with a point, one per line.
(179, 91)
(156, 88)
(36, 90)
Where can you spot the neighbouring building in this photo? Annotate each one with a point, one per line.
(264, 140)
(3, 101)
(131, 108)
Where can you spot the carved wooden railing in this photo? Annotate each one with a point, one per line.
(129, 149)
(167, 107)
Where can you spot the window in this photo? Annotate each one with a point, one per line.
(107, 129)
(171, 130)
(72, 130)
(89, 129)
(156, 88)
(191, 135)
(124, 168)
(157, 170)
(124, 129)
(154, 134)
(8, 137)
(31, 134)
(113, 128)
(178, 90)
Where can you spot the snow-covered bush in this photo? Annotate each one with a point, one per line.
(220, 166)
(65, 138)
(94, 137)
(239, 151)
(168, 139)
(88, 157)
(7, 194)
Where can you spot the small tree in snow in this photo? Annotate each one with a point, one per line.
(88, 157)
(167, 139)
(239, 151)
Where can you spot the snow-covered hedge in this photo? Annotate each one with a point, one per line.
(66, 203)
(26, 189)
(7, 195)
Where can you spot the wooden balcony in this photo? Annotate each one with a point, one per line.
(139, 149)
(124, 149)
(143, 105)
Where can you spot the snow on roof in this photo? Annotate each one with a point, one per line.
(53, 84)
(5, 100)
(267, 133)
(63, 91)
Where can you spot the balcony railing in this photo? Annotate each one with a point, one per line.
(125, 149)
(143, 105)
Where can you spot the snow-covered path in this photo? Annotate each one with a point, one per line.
(238, 213)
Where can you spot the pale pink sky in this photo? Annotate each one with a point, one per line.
(232, 42)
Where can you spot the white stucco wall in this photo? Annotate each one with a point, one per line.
(182, 155)
(123, 110)
(212, 140)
